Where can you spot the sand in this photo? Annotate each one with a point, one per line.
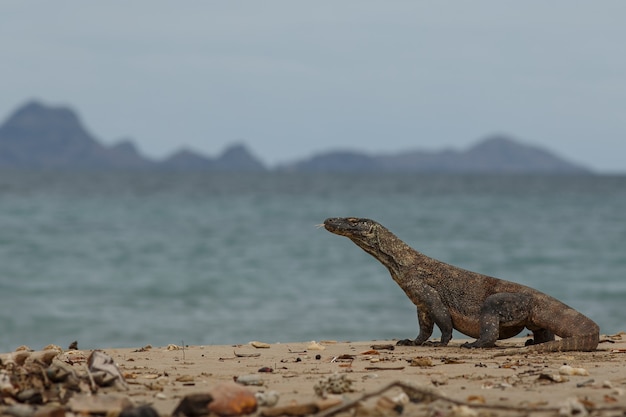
(512, 385)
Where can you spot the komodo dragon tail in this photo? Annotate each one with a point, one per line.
(585, 343)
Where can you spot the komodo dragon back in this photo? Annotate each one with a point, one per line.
(476, 305)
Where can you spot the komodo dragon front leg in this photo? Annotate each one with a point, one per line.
(430, 311)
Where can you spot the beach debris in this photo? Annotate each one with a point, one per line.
(266, 369)
(586, 383)
(267, 398)
(315, 346)
(573, 407)
(23, 348)
(438, 380)
(345, 357)
(552, 378)
(104, 371)
(226, 399)
(422, 361)
(193, 405)
(27, 410)
(172, 346)
(463, 411)
(98, 404)
(333, 384)
(395, 403)
(185, 378)
(384, 368)
(251, 379)
(383, 347)
(144, 410)
(6, 387)
(298, 410)
(259, 345)
(73, 345)
(246, 355)
(568, 370)
(230, 399)
(42, 356)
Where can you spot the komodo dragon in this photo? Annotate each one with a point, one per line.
(476, 305)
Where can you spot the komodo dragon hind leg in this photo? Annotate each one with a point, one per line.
(540, 336)
(500, 317)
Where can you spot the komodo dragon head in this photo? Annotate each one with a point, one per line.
(360, 231)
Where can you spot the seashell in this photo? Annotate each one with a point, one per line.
(230, 399)
(268, 399)
(315, 346)
(260, 345)
(568, 370)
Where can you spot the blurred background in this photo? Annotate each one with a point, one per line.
(163, 167)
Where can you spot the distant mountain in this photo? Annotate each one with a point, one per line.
(497, 154)
(234, 158)
(41, 137)
(37, 136)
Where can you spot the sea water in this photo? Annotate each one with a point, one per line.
(129, 259)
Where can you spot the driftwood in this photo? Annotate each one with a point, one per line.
(427, 394)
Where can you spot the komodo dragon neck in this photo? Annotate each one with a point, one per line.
(392, 252)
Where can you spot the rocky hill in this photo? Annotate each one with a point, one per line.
(497, 154)
(37, 136)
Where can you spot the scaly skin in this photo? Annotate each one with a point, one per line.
(476, 305)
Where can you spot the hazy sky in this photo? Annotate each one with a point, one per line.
(291, 78)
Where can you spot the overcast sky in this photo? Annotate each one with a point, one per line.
(291, 78)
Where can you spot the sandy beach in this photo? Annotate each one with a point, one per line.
(447, 380)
